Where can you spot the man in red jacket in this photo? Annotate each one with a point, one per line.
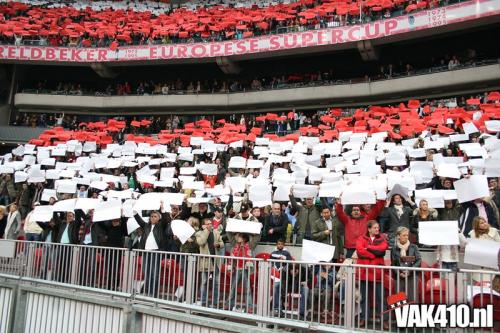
(355, 223)
(371, 249)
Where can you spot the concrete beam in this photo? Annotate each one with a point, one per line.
(103, 70)
(227, 66)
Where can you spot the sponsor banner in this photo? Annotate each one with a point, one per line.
(427, 19)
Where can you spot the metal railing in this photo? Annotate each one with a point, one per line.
(281, 86)
(319, 295)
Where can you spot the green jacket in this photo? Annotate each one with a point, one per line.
(305, 218)
(336, 237)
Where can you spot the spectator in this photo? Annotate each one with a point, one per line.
(242, 269)
(307, 214)
(395, 215)
(295, 280)
(153, 239)
(32, 230)
(280, 253)
(210, 242)
(405, 254)
(13, 228)
(482, 230)
(355, 224)
(370, 249)
(275, 225)
(328, 230)
(3, 221)
(450, 212)
(423, 213)
(471, 209)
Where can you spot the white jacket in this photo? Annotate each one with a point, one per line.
(450, 253)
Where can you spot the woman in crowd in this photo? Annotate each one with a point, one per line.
(13, 228)
(3, 220)
(370, 249)
(242, 268)
(421, 214)
(405, 254)
(482, 230)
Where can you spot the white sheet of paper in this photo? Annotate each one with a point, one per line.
(448, 171)
(237, 162)
(67, 205)
(182, 230)
(132, 225)
(472, 188)
(107, 210)
(481, 252)
(66, 186)
(438, 232)
(330, 190)
(469, 128)
(187, 170)
(316, 252)
(492, 125)
(42, 213)
(260, 193)
(305, 191)
(282, 193)
(247, 227)
(20, 176)
(358, 194)
(86, 204)
(237, 184)
(48, 193)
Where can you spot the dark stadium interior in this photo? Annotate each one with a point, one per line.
(345, 65)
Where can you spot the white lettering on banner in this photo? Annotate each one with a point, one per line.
(337, 35)
(452, 316)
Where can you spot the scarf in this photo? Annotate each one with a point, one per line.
(403, 248)
(399, 210)
(210, 242)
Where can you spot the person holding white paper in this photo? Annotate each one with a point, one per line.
(448, 255)
(328, 230)
(154, 239)
(371, 248)
(355, 224)
(397, 213)
(307, 214)
(405, 254)
(471, 209)
(450, 212)
(210, 242)
(422, 213)
(482, 230)
(275, 225)
(242, 268)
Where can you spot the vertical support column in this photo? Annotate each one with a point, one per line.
(30, 264)
(19, 317)
(128, 268)
(263, 288)
(75, 259)
(190, 278)
(451, 288)
(350, 302)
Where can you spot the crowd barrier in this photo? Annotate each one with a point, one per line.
(339, 295)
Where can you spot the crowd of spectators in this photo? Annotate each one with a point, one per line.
(362, 232)
(106, 23)
(291, 80)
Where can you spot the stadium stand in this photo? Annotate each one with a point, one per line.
(258, 191)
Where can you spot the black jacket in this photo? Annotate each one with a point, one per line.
(279, 228)
(158, 232)
(469, 211)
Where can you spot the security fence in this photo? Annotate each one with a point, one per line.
(323, 296)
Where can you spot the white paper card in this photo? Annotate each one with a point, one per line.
(438, 232)
(316, 252)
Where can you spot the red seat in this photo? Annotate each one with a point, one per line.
(481, 300)
(263, 255)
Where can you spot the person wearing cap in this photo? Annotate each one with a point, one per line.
(32, 230)
(245, 214)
